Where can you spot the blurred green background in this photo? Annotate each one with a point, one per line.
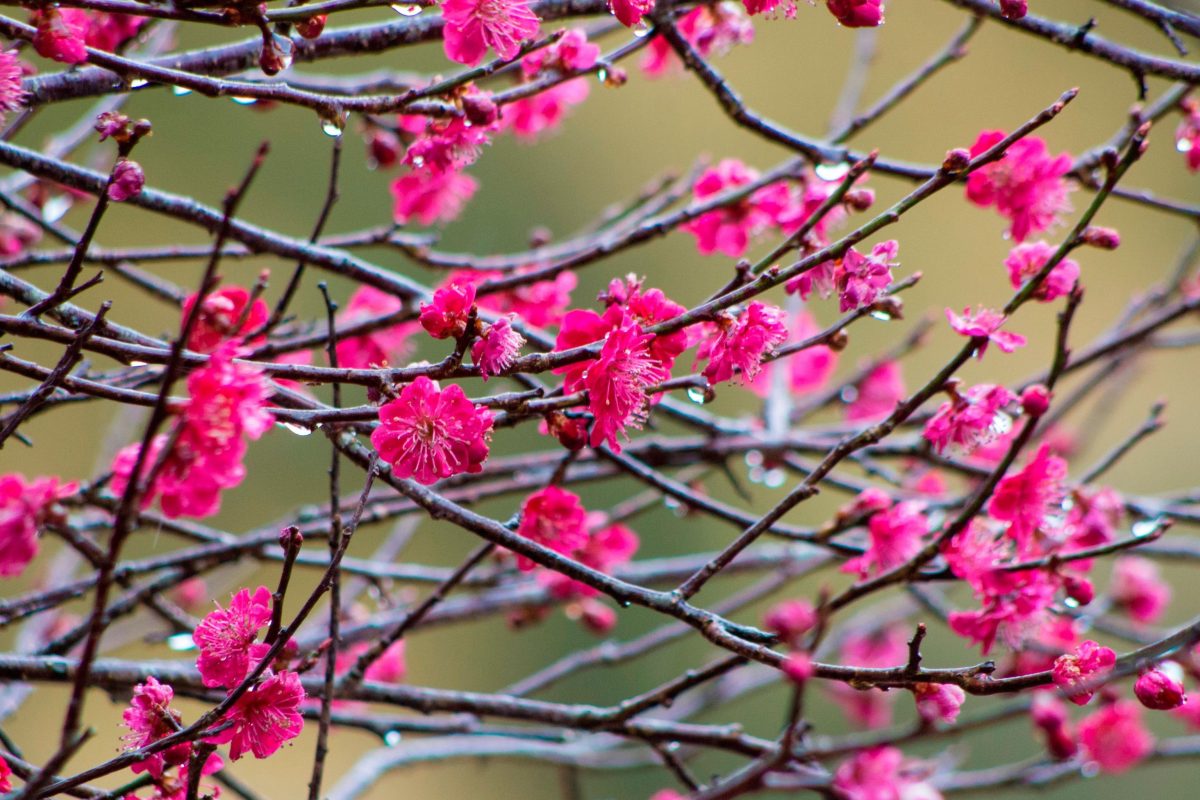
(607, 151)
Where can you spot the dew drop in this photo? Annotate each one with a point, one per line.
(1089, 769)
(180, 91)
(138, 83)
(881, 315)
(774, 478)
(54, 208)
(299, 430)
(137, 363)
(181, 642)
(334, 126)
(243, 101)
(1185, 145)
(701, 395)
(1070, 602)
(392, 738)
(641, 29)
(602, 75)
(1146, 527)
(284, 50)
(408, 9)
(832, 171)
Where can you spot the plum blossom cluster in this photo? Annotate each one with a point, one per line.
(955, 499)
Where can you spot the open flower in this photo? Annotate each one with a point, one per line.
(428, 433)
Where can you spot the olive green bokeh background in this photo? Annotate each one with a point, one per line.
(607, 151)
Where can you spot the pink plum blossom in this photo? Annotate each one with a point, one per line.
(1079, 674)
(970, 419)
(227, 638)
(1026, 260)
(265, 717)
(224, 315)
(985, 323)
(553, 518)
(1025, 185)
(472, 26)
(729, 229)
(25, 505)
(428, 433)
(496, 348)
(882, 773)
(1138, 589)
(431, 197)
(735, 347)
(1114, 736)
(877, 394)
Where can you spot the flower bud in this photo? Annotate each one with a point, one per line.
(597, 617)
(798, 666)
(838, 341)
(857, 13)
(383, 148)
(1103, 238)
(571, 433)
(1035, 400)
(312, 27)
(290, 538)
(276, 55)
(860, 199)
(791, 619)
(1156, 690)
(615, 77)
(1079, 589)
(1014, 9)
(480, 108)
(128, 180)
(956, 161)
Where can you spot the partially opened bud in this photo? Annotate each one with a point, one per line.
(1157, 690)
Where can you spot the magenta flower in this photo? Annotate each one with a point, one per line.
(616, 381)
(808, 369)
(1026, 497)
(190, 481)
(554, 518)
(861, 279)
(227, 638)
(6, 773)
(1138, 589)
(128, 180)
(228, 402)
(431, 197)
(728, 229)
(60, 34)
(448, 145)
(446, 315)
(1012, 614)
(1026, 260)
(896, 535)
(649, 307)
(1080, 673)
(380, 347)
(264, 718)
(224, 316)
(573, 52)
(857, 13)
(472, 26)
(712, 30)
(1026, 185)
(109, 31)
(150, 718)
(12, 92)
(541, 113)
(970, 419)
(985, 323)
(877, 394)
(1114, 736)
(24, 507)
(496, 348)
(882, 773)
(735, 347)
(630, 12)
(790, 619)
(1157, 690)
(428, 433)
(938, 702)
(539, 304)
(754, 7)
